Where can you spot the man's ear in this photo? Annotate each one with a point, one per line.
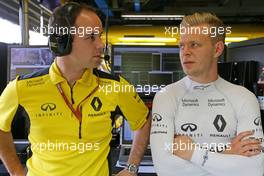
(219, 48)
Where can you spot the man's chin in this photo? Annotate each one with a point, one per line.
(187, 72)
(190, 73)
(97, 65)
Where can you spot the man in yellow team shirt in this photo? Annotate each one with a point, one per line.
(68, 108)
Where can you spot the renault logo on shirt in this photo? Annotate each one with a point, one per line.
(219, 123)
(48, 107)
(189, 126)
(96, 104)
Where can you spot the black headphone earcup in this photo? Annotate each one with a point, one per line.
(53, 44)
(60, 45)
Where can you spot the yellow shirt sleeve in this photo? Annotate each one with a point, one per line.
(131, 105)
(8, 106)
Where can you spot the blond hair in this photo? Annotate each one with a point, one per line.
(205, 18)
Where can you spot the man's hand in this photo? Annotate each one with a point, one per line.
(125, 172)
(183, 147)
(8, 155)
(244, 147)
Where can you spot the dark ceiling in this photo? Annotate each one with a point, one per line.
(230, 11)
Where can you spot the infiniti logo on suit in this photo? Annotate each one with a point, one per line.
(189, 126)
(48, 107)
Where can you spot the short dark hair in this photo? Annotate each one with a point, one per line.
(65, 15)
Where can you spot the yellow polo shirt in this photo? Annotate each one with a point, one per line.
(61, 144)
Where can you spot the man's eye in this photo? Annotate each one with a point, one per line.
(92, 37)
(181, 46)
(193, 45)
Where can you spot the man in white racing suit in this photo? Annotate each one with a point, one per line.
(203, 125)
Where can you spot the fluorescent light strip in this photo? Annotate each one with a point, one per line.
(147, 39)
(235, 39)
(138, 43)
(152, 16)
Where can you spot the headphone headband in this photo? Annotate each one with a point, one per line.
(61, 44)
